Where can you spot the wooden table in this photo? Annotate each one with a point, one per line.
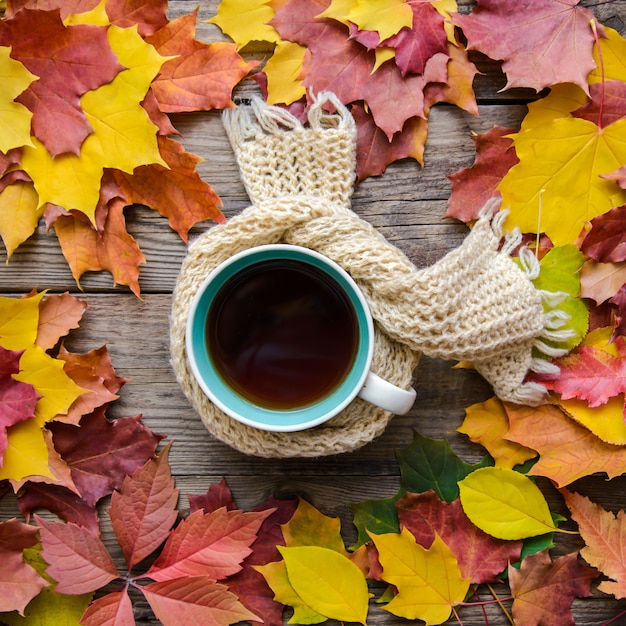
(406, 205)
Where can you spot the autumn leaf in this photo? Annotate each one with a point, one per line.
(19, 319)
(69, 61)
(480, 556)
(201, 76)
(17, 399)
(58, 314)
(604, 535)
(20, 582)
(101, 453)
(15, 118)
(567, 450)
(607, 105)
(487, 424)
(553, 157)
(612, 67)
(619, 300)
(473, 186)
(78, 560)
(210, 544)
(377, 516)
(543, 590)
(601, 281)
(254, 28)
(217, 496)
(115, 608)
(19, 214)
(606, 241)
(197, 600)
(432, 464)
(144, 510)
(429, 582)
(283, 72)
(505, 504)
(540, 43)
(328, 582)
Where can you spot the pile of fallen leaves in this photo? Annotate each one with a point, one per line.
(85, 132)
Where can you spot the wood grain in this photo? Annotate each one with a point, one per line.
(407, 205)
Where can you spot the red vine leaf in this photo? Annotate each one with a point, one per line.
(114, 609)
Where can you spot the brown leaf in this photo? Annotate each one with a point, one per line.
(606, 241)
(619, 300)
(202, 76)
(473, 186)
(58, 314)
(544, 590)
(177, 193)
(601, 281)
(69, 60)
(481, 557)
(148, 16)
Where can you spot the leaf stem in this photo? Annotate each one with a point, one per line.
(595, 35)
(613, 619)
(499, 602)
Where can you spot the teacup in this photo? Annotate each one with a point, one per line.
(281, 338)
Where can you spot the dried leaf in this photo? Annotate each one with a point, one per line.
(217, 496)
(114, 609)
(606, 241)
(601, 281)
(58, 314)
(254, 28)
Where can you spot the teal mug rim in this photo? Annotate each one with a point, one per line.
(235, 405)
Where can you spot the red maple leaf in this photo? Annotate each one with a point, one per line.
(148, 16)
(606, 241)
(481, 557)
(69, 60)
(473, 186)
(608, 99)
(544, 590)
(541, 42)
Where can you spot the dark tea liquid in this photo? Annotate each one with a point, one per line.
(282, 334)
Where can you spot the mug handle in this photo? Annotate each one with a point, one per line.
(387, 396)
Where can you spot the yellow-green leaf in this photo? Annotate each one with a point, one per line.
(429, 582)
(15, 118)
(283, 73)
(123, 138)
(58, 391)
(19, 214)
(253, 28)
(505, 504)
(328, 582)
(275, 575)
(562, 162)
(486, 423)
(19, 319)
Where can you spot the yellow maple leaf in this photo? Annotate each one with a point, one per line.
(15, 118)
(124, 136)
(386, 17)
(253, 28)
(445, 8)
(19, 320)
(19, 214)
(283, 71)
(96, 16)
(560, 167)
(613, 58)
(26, 453)
(486, 423)
(429, 582)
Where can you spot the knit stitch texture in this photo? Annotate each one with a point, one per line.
(475, 304)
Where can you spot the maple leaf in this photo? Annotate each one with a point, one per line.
(17, 399)
(481, 557)
(429, 582)
(113, 249)
(101, 453)
(374, 151)
(283, 72)
(176, 192)
(606, 241)
(567, 450)
(543, 590)
(69, 61)
(541, 43)
(601, 281)
(608, 103)
(619, 300)
(486, 423)
(473, 186)
(604, 535)
(591, 374)
(217, 496)
(211, 544)
(15, 119)
(148, 16)
(19, 318)
(254, 28)
(58, 314)
(144, 509)
(202, 76)
(20, 582)
(199, 599)
(19, 214)
(553, 157)
(78, 559)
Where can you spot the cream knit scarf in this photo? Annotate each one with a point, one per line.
(475, 304)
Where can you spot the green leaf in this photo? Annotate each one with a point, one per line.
(505, 504)
(377, 516)
(327, 582)
(432, 464)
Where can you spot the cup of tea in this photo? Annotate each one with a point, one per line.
(281, 338)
